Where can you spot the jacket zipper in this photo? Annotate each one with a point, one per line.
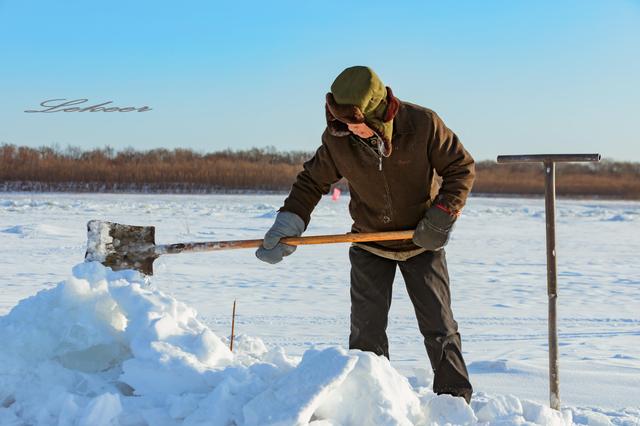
(384, 178)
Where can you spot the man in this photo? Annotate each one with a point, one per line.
(389, 151)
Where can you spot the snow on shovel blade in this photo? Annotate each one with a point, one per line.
(121, 246)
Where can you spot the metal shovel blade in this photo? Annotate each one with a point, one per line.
(121, 246)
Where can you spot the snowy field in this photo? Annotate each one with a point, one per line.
(106, 348)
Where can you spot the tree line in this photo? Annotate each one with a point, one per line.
(262, 169)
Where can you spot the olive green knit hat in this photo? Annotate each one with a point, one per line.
(359, 96)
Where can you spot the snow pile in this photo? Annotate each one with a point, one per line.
(74, 350)
(105, 348)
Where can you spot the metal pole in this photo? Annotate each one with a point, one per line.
(549, 161)
(552, 281)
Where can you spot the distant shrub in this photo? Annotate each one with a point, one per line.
(262, 169)
(175, 170)
(602, 179)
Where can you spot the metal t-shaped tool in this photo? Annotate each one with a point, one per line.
(549, 161)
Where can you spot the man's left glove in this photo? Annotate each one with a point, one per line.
(433, 230)
(287, 224)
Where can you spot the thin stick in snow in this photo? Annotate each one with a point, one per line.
(233, 324)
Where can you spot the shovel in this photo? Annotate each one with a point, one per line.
(134, 247)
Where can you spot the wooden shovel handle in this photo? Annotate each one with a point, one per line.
(351, 237)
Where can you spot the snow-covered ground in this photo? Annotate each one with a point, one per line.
(74, 354)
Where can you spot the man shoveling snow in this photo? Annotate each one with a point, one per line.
(389, 151)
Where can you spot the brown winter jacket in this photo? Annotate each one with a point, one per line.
(389, 194)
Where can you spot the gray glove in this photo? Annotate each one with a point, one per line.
(433, 230)
(287, 224)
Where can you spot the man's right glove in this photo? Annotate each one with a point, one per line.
(287, 224)
(433, 230)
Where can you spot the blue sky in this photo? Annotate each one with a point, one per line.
(509, 77)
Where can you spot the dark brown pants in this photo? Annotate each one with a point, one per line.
(427, 282)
